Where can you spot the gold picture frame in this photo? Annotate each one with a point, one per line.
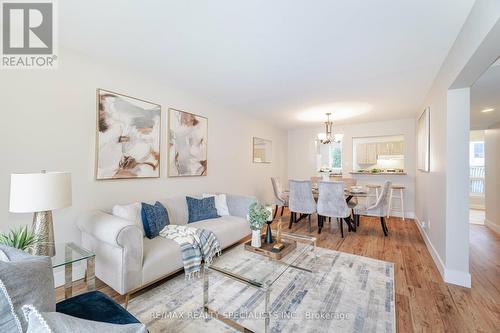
(262, 150)
(128, 166)
(180, 163)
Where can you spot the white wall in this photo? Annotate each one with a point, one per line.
(302, 153)
(442, 194)
(492, 169)
(49, 122)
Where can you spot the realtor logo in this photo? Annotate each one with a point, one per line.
(28, 34)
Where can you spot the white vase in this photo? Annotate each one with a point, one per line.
(256, 239)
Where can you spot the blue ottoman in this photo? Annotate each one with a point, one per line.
(96, 306)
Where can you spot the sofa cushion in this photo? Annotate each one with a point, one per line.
(228, 229)
(161, 257)
(131, 212)
(24, 279)
(177, 210)
(154, 219)
(201, 209)
(55, 322)
(220, 203)
(95, 306)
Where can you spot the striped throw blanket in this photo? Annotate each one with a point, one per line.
(196, 245)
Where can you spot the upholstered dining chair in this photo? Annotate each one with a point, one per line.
(378, 209)
(332, 204)
(301, 201)
(280, 196)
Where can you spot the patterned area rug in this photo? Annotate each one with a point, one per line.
(345, 293)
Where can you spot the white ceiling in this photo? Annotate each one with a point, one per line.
(485, 94)
(275, 59)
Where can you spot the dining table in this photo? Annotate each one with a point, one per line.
(349, 195)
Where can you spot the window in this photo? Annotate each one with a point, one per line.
(476, 153)
(336, 156)
(478, 149)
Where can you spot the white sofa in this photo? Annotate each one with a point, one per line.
(127, 261)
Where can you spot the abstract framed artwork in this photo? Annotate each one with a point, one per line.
(127, 138)
(187, 144)
(423, 141)
(262, 150)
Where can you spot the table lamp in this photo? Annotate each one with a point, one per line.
(40, 193)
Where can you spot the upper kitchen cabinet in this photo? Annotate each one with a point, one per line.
(379, 154)
(390, 148)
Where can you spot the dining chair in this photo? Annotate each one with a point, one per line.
(332, 204)
(378, 209)
(301, 201)
(280, 196)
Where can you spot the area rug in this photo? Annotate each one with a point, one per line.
(344, 293)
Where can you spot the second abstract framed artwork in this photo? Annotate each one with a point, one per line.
(187, 144)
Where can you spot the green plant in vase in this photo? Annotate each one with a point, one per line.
(258, 214)
(22, 238)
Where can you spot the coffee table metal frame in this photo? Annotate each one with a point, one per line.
(264, 287)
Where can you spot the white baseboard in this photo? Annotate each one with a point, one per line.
(459, 278)
(492, 226)
(78, 274)
(408, 215)
(434, 254)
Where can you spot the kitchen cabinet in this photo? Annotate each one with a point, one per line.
(390, 148)
(361, 153)
(397, 148)
(366, 153)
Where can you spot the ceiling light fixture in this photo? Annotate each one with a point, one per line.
(487, 110)
(326, 137)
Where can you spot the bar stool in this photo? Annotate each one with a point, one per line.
(401, 209)
(371, 189)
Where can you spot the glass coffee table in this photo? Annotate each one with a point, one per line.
(262, 274)
(66, 255)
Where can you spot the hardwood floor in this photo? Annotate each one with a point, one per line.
(424, 303)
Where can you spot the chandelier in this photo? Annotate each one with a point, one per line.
(327, 138)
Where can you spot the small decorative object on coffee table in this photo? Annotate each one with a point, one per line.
(269, 235)
(279, 245)
(258, 214)
(66, 255)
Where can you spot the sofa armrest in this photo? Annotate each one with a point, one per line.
(238, 204)
(106, 227)
(118, 246)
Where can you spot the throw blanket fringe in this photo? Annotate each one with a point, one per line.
(196, 245)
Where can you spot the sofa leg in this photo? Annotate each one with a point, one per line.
(291, 220)
(282, 208)
(275, 212)
(127, 298)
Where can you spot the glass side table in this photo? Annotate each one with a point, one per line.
(66, 255)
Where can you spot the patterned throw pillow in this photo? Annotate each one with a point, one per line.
(54, 322)
(201, 209)
(24, 279)
(154, 219)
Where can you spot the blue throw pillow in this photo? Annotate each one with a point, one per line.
(154, 219)
(201, 209)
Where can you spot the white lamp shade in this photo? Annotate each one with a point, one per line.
(38, 192)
